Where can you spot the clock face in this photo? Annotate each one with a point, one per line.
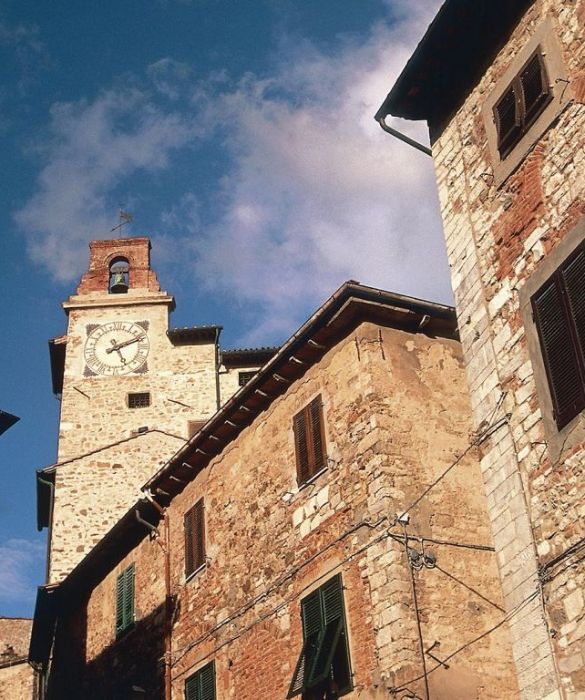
(118, 347)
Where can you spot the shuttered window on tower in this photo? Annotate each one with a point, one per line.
(201, 685)
(323, 668)
(559, 315)
(521, 103)
(125, 600)
(194, 538)
(309, 436)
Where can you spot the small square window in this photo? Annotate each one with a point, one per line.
(309, 435)
(201, 685)
(139, 400)
(125, 600)
(559, 315)
(323, 668)
(522, 102)
(244, 377)
(194, 538)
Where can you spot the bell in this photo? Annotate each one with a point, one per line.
(119, 283)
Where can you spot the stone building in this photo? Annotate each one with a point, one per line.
(324, 534)
(501, 84)
(132, 392)
(17, 679)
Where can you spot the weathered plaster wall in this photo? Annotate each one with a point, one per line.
(498, 239)
(396, 417)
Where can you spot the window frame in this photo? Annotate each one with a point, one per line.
(195, 534)
(125, 593)
(138, 397)
(544, 40)
(244, 376)
(562, 415)
(324, 625)
(573, 433)
(197, 680)
(310, 462)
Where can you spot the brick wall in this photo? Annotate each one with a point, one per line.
(396, 416)
(499, 237)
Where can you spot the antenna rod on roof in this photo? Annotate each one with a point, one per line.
(403, 137)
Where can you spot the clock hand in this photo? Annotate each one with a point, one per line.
(116, 346)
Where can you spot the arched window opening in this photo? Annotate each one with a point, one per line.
(119, 276)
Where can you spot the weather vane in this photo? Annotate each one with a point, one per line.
(124, 218)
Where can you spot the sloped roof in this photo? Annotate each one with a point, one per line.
(451, 58)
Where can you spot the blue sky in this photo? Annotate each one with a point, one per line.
(240, 137)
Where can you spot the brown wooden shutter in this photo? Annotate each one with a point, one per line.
(573, 273)
(508, 120)
(194, 538)
(301, 446)
(317, 434)
(535, 90)
(559, 352)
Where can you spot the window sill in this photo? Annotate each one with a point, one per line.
(311, 481)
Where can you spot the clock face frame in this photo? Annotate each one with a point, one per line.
(116, 348)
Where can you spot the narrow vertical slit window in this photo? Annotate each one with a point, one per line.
(309, 435)
(194, 538)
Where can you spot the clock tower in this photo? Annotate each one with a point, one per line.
(131, 391)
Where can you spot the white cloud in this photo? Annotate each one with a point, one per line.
(20, 562)
(317, 193)
(93, 148)
(314, 192)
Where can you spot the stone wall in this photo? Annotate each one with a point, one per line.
(17, 678)
(94, 491)
(396, 419)
(499, 237)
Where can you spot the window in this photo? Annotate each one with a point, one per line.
(125, 600)
(521, 103)
(139, 400)
(323, 668)
(119, 276)
(309, 441)
(244, 377)
(201, 685)
(559, 315)
(194, 538)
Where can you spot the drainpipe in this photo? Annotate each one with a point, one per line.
(217, 389)
(404, 137)
(166, 549)
(51, 485)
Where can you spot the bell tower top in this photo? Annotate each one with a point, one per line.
(118, 266)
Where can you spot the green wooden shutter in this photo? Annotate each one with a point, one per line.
(558, 352)
(120, 604)
(331, 594)
(312, 617)
(201, 685)
(207, 682)
(125, 599)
